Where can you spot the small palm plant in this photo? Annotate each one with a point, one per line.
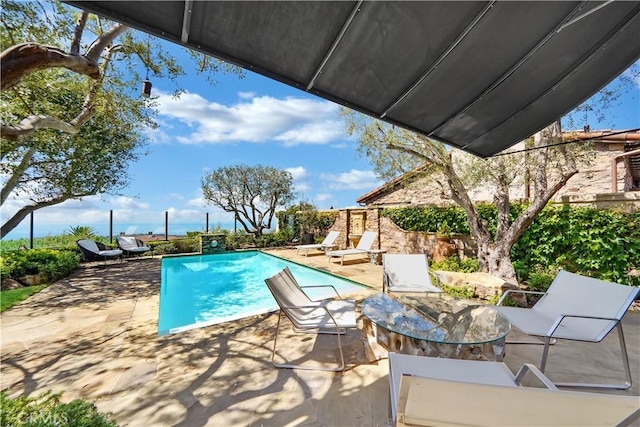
(81, 232)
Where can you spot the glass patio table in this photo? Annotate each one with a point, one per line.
(434, 326)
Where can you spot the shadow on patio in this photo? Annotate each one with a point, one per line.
(94, 336)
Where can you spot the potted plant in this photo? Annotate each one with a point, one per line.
(444, 247)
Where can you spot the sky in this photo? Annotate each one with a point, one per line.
(250, 121)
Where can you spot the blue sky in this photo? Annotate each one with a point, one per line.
(252, 121)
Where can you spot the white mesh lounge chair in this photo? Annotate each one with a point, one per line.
(327, 243)
(428, 391)
(364, 245)
(576, 308)
(96, 251)
(306, 315)
(406, 273)
(131, 246)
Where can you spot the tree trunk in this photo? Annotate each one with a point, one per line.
(17, 218)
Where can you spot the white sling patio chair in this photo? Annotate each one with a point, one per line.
(406, 273)
(576, 308)
(327, 243)
(428, 391)
(306, 315)
(364, 245)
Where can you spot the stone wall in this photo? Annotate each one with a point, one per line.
(393, 239)
(591, 186)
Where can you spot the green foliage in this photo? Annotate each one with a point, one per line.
(271, 240)
(252, 193)
(47, 166)
(163, 248)
(429, 218)
(603, 244)
(46, 409)
(187, 245)
(326, 219)
(53, 264)
(81, 232)
(599, 243)
(238, 240)
(61, 242)
(458, 292)
(454, 263)
(11, 297)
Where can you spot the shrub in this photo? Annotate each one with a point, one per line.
(238, 239)
(81, 232)
(271, 240)
(53, 264)
(187, 245)
(454, 263)
(47, 410)
(164, 248)
(458, 292)
(604, 244)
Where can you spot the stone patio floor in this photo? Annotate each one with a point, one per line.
(94, 336)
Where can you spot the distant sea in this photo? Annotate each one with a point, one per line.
(177, 229)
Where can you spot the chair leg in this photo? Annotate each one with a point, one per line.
(308, 368)
(625, 364)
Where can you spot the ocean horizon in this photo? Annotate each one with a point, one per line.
(157, 228)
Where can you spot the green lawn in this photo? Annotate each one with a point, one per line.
(14, 296)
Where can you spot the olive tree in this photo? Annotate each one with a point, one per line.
(393, 151)
(71, 113)
(251, 193)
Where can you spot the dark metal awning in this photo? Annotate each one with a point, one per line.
(479, 76)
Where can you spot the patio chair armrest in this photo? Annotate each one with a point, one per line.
(293, 307)
(323, 286)
(518, 291)
(528, 367)
(560, 318)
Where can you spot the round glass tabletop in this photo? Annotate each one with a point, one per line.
(436, 319)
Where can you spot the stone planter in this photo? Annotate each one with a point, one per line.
(443, 249)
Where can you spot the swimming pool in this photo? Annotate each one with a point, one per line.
(202, 290)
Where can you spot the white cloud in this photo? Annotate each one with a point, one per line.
(246, 95)
(125, 202)
(298, 173)
(323, 197)
(301, 187)
(312, 133)
(198, 201)
(291, 121)
(352, 180)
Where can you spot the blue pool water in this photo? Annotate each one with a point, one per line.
(204, 290)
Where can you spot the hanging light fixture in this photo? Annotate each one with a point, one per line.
(146, 84)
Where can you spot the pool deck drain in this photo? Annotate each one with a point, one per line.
(94, 336)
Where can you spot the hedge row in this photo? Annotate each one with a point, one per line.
(599, 243)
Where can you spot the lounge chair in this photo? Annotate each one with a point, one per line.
(406, 273)
(576, 308)
(131, 246)
(427, 391)
(326, 244)
(306, 315)
(96, 251)
(364, 245)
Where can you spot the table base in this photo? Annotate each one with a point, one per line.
(382, 341)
